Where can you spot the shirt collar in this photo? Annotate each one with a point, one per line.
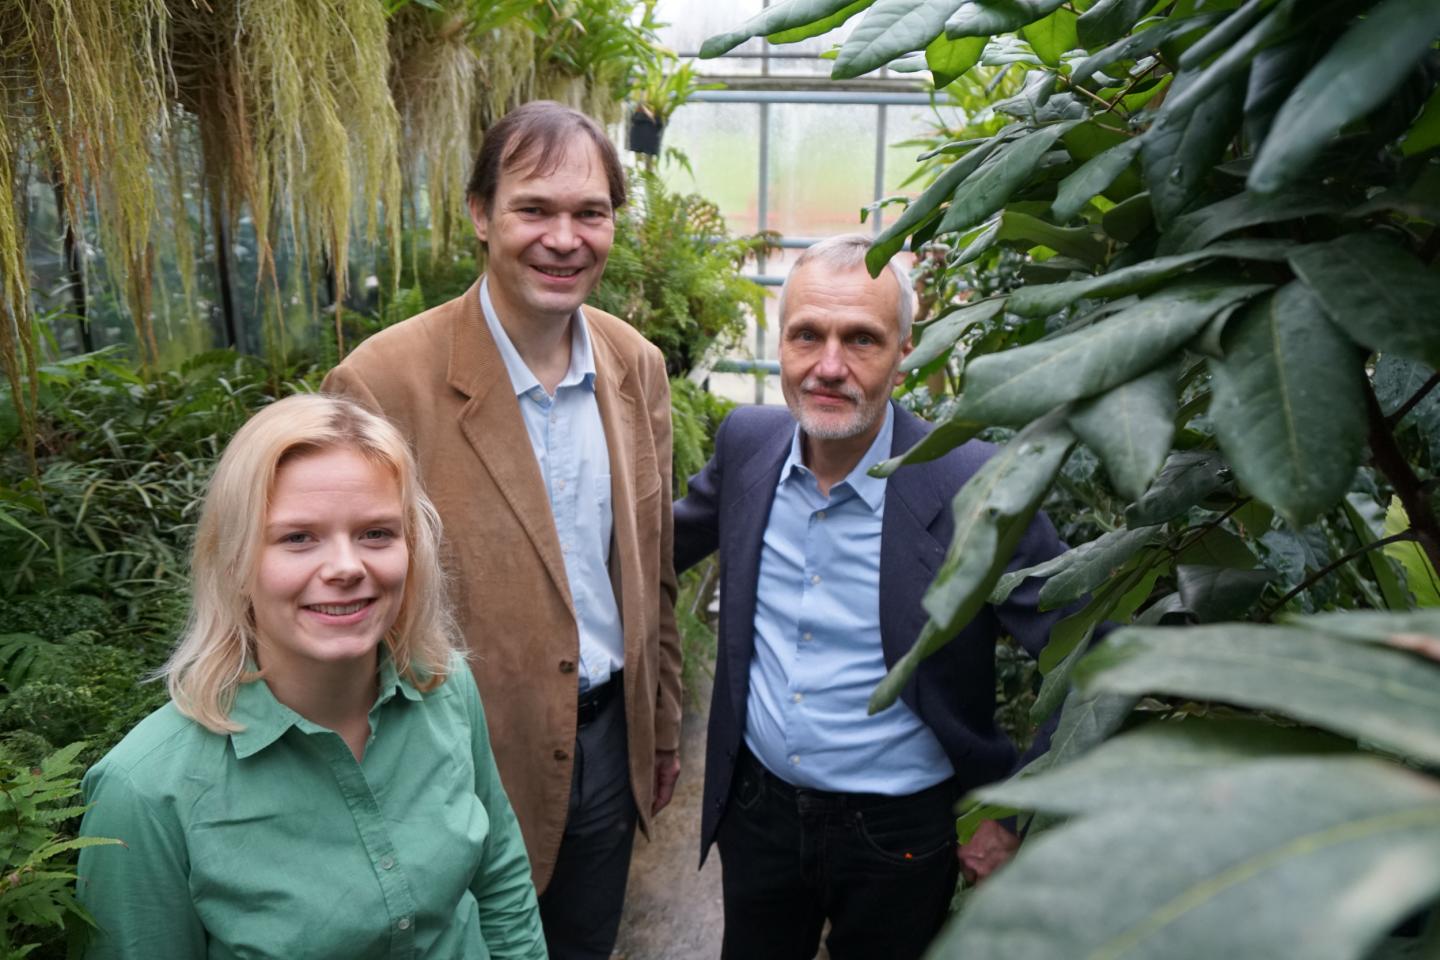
(582, 358)
(266, 719)
(868, 488)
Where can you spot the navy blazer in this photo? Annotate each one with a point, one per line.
(953, 692)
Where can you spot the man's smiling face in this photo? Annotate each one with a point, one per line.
(548, 234)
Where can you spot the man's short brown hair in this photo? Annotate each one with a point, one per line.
(540, 134)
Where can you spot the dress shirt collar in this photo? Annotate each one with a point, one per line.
(868, 488)
(582, 358)
(266, 719)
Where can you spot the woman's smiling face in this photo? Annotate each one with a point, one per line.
(333, 560)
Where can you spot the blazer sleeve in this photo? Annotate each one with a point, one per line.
(669, 696)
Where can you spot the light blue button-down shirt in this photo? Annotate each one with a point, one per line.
(568, 441)
(817, 641)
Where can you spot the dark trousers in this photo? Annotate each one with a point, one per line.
(580, 908)
(881, 869)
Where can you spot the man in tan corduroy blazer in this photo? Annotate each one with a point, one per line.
(520, 405)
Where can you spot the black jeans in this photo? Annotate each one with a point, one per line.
(580, 907)
(881, 869)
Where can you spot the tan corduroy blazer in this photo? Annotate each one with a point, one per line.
(440, 378)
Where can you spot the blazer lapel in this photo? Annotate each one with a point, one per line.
(492, 425)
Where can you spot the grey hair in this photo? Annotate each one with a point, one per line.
(845, 252)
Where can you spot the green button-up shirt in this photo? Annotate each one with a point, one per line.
(276, 842)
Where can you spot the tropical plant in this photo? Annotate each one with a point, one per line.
(1226, 221)
(664, 84)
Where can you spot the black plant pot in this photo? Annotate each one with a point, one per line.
(645, 134)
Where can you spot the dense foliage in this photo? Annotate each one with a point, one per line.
(1210, 327)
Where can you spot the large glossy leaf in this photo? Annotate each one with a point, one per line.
(941, 335)
(1161, 758)
(1420, 574)
(893, 237)
(1320, 857)
(1053, 36)
(891, 28)
(821, 26)
(1367, 522)
(1016, 386)
(1216, 594)
(1387, 696)
(1364, 67)
(1092, 177)
(1160, 32)
(1424, 133)
(1130, 427)
(1375, 291)
(1108, 19)
(1092, 563)
(1230, 65)
(985, 18)
(1396, 380)
(786, 15)
(1041, 301)
(1230, 30)
(1188, 477)
(987, 190)
(1085, 720)
(1181, 148)
(948, 59)
(1201, 227)
(1081, 243)
(992, 512)
(1289, 407)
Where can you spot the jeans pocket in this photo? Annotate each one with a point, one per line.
(905, 837)
(748, 790)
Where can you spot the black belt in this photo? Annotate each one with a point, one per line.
(595, 699)
(946, 789)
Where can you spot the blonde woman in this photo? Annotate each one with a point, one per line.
(321, 784)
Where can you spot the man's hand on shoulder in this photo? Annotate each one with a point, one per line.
(667, 771)
(989, 849)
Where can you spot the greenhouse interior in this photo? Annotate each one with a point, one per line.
(972, 487)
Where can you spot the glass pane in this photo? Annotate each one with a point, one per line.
(822, 167)
(722, 142)
(690, 22)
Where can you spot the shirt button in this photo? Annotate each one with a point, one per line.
(807, 636)
(815, 579)
(567, 666)
(387, 863)
(797, 697)
(403, 923)
(560, 484)
(819, 514)
(794, 758)
(561, 755)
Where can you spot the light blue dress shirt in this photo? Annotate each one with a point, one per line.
(817, 641)
(568, 440)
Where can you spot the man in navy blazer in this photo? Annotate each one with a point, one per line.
(820, 811)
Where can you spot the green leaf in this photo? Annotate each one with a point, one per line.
(1130, 428)
(1376, 291)
(985, 18)
(1016, 386)
(1052, 37)
(992, 512)
(1425, 131)
(891, 28)
(1014, 226)
(941, 335)
(948, 434)
(1201, 227)
(818, 27)
(1045, 300)
(1215, 594)
(1000, 176)
(1188, 477)
(1160, 758)
(1289, 407)
(949, 59)
(1147, 40)
(1387, 696)
(1093, 563)
(1394, 629)
(1197, 85)
(1354, 77)
(1420, 575)
(1092, 177)
(1286, 859)
(1085, 720)
(893, 237)
(1108, 19)
(1129, 219)
(786, 15)
(1180, 149)
(1356, 506)
(1236, 25)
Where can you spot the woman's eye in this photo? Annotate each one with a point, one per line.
(295, 538)
(378, 533)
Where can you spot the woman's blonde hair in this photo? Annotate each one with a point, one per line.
(209, 663)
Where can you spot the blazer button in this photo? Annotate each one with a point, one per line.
(567, 666)
(561, 755)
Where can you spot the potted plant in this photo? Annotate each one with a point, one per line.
(663, 86)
